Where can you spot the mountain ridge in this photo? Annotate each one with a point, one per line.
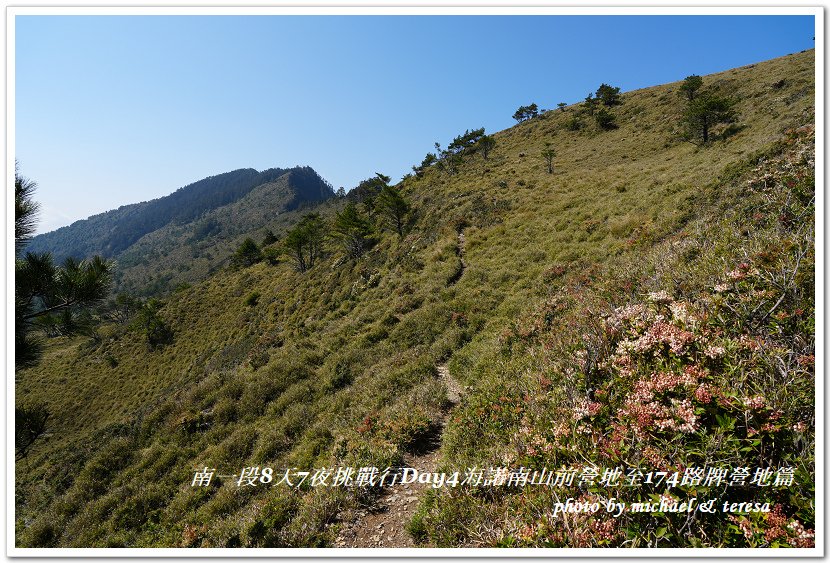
(186, 253)
(112, 232)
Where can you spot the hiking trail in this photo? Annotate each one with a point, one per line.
(383, 523)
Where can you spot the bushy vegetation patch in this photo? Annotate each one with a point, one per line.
(699, 359)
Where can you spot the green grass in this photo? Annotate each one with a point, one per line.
(292, 377)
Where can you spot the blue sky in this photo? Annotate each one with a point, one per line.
(113, 110)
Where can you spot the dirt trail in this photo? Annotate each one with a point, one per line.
(384, 523)
(459, 251)
(454, 389)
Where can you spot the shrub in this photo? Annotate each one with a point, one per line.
(269, 239)
(157, 332)
(340, 376)
(29, 425)
(267, 527)
(574, 123)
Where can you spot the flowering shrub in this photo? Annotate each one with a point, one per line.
(713, 371)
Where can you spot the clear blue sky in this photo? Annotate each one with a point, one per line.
(119, 109)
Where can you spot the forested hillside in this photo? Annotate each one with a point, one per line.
(183, 253)
(111, 233)
(622, 282)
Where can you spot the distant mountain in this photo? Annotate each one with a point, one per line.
(188, 252)
(111, 233)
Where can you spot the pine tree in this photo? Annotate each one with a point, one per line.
(25, 210)
(367, 190)
(704, 112)
(605, 119)
(393, 208)
(609, 95)
(269, 239)
(591, 103)
(353, 230)
(429, 160)
(548, 154)
(691, 84)
(157, 332)
(29, 425)
(304, 243)
(486, 144)
(43, 290)
(247, 254)
(526, 112)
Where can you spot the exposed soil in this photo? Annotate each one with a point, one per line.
(454, 389)
(384, 523)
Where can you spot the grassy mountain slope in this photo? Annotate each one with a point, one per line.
(337, 366)
(695, 354)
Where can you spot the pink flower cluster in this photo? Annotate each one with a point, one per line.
(736, 275)
(800, 427)
(779, 526)
(622, 361)
(586, 408)
(681, 313)
(684, 411)
(584, 529)
(664, 333)
(715, 352)
(646, 408)
(647, 411)
(755, 403)
(743, 271)
(743, 523)
(535, 443)
(636, 316)
(802, 537)
(703, 394)
(659, 297)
